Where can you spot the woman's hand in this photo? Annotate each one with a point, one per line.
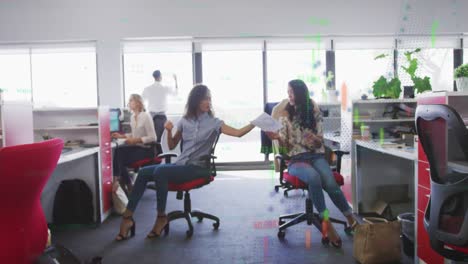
(117, 135)
(168, 126)
(272, 135)
(311, 139)
(132, 141)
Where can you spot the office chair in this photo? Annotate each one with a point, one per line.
(154, 159)
(25, 170)
(267, 146)
(288, 186)
(183, 190)
(292, 182)
(444, 138)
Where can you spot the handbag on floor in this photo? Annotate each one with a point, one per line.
(119, 198)
(377, 241)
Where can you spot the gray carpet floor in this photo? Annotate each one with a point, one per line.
(248, 208)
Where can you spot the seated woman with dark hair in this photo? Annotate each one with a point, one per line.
(302, 138)
(198, 128)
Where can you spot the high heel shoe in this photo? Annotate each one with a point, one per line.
(122, 237)
(154, 234)
(327, 228)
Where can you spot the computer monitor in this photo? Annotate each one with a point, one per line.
(114, 120)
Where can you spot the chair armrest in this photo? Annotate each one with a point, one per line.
(167, 156)
(340, 152)
(205, 157)
(282, 157)
(339, 155)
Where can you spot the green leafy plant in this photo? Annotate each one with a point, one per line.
(384, 88)
(461, 71)
(420, 84)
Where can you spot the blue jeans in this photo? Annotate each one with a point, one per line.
(161, 174)
(315, 171)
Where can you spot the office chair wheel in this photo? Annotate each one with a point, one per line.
(199, 218)
(281, 234)
(276, 188)
(216, 226)
(189, 233)
(325, 241)
(280, 222)
(285, 193)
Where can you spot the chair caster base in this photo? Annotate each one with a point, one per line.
(281, 234)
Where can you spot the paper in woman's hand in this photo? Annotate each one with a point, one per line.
(266, 123)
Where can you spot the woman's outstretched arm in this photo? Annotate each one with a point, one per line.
(230, 131)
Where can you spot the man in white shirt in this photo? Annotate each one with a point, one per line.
(155, 97)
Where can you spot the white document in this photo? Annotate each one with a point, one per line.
(266, 123)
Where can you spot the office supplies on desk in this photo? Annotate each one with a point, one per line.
(88, 145)
(65, 150)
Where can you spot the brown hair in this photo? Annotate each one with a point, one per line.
(198, 93)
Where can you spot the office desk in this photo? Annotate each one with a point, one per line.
(92, 165)
(80, 163)
(378, 169)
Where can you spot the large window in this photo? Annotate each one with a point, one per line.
(51, 75)
(435, 63)
(15, 75)
(142, 58)
(235, 80)
(64, 77)
(286, 65)
(357, 70)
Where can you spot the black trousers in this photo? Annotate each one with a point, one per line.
(124, 156)
(159, 121)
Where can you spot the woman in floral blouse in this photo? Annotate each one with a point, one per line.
(302, 138)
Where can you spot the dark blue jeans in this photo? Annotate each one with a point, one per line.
(162, 174)
(315, 171)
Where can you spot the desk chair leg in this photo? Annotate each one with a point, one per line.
(200, 215)
(177, 215)
(288, 216)
(298, 219)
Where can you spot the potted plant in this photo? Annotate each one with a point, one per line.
(420, 84)
(461, 77)
(383, 88)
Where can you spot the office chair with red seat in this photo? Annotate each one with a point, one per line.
(292, 182)
(444, 138)
(24, 171)
(183, 190)
(155, 159)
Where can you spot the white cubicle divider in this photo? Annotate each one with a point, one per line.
(16, 123)
(86, 155)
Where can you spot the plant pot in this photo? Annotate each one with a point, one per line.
(462, 84)
(408, 92)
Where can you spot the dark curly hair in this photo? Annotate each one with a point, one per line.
(303, 111)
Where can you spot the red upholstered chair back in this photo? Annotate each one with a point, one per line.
(24, 171)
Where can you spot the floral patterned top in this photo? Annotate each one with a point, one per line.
(297, 140)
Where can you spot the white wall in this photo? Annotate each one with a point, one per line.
(109, 21)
